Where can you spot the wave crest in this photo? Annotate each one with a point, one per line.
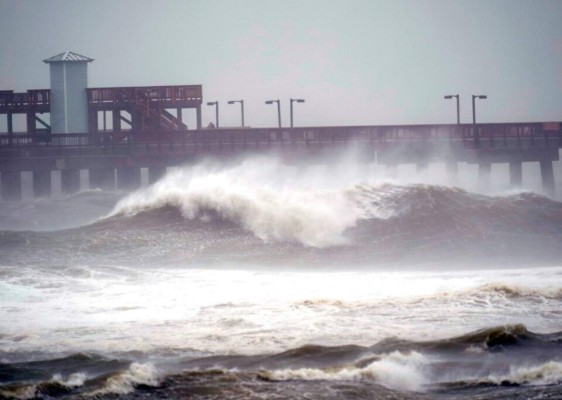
(137, 374)
(56, 386)
(549, 373)
(395, 371)
(277, 204)
(269, 208)
(515, 291)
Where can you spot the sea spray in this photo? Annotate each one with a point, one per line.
(261, 196)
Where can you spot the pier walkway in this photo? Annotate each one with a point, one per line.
(114, 158)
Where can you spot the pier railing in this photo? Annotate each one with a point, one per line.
(134, 95)
(10, 100)
(524, 135)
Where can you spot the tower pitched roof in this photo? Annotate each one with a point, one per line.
(68, 56)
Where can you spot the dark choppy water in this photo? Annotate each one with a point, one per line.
(250, 282)
(491, 363)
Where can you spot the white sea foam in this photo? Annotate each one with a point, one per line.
(264, 197)
(125, 382)
(32, 391)
(265, 312)
(395, 370)
(20, 393)
(520, 290)
(73, 380)
(549, 373)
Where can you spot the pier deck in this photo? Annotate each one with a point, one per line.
(126, 151)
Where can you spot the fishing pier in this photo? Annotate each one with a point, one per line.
(110, 134)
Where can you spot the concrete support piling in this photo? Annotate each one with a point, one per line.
(11, 185)
(199, 121)
(547, 175)
(70, 181)
(516, 173)
(484, 173)
(421, 166)
(103, 179)
(391, 171)
(128, 178)
(452, 168)
(42, 183)
(10, 123)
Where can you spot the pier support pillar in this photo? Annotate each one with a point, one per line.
(199, 122)
(103, 179)
(484, 172)
(128, 178)
(116, 120)
(155, 173)
(452, 168)
(516, 173)
(547, 175)
(136, 120)
(421, 166)
(11, 185)
(41, 183)
(70, 181)
(391, 171)
(92, 120)
(179, 115)
(30, 119)
(10, 123)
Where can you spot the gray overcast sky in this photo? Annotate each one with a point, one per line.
(355, 62)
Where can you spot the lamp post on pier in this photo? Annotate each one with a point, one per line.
(450, 96)
(474, 97)
(216, 104)
(241, 109)
(294, 101)
(278, 109)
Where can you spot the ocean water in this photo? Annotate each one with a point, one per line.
(255, 280)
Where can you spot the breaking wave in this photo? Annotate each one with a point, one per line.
(80, 374)
(514, 336)
(137, 374)
(532, 359)
(549, 373)
(249, 196)
(518, 291)
(541, 375)
(395, 370)
(261, 211)
(261, 198)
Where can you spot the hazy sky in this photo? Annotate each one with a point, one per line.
(355, 62)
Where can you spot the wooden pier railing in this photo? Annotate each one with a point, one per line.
(18, 102)
(168, 95)
(513, 135)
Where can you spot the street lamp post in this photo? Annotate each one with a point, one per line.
(242, 108)
(450, 96)
(474, 97)
(216, 104)
(294, 101)
(278, 109)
